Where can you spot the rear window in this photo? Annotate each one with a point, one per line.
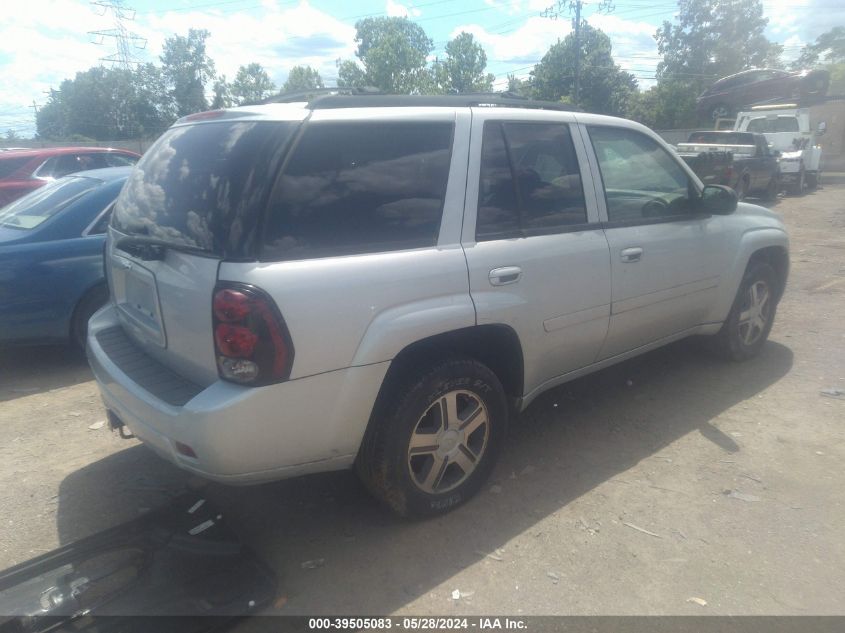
(773, 125)
(204, 185)
(40, 205)
(721, 138)
(9, 166)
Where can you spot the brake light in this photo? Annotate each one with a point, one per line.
(251, 340)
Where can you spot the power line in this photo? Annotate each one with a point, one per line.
(125, 40)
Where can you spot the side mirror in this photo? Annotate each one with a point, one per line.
(718, 200)
(822, 128)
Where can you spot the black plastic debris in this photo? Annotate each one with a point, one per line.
(180, 560)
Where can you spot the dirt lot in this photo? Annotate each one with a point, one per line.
(669, 477)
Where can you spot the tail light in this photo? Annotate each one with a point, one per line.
(251, 340)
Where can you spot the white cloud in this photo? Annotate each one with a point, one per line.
(523, 46)
(397, 10)
(44, 42)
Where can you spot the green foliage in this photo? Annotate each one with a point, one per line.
(668, 105)
(108, 104)
(463, 69)
(604, 87)
(711, 39)
(252, 84)
(222, 94)
(302, 78)
(517, 86)
(11, 135)
(392, 53)
(829, 47)
(187, 69)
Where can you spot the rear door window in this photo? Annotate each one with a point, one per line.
(530, 181)
(360, 187)
(9, 166)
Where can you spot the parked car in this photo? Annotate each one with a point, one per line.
(24, 170)
(740, 160)
(730, 94)
(390, 289)
(51, 257)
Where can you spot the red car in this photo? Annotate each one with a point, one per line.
(23, 170)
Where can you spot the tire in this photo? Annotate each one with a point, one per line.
(719, 111)
(800, 187)
(91, 301)
(742, 336)
(813, 179)
(770, 193)
(420, 480)
(742, 188)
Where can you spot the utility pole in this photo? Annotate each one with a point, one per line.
(566, 7)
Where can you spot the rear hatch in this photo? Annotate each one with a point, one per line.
(194, 199)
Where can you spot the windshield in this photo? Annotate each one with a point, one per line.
(204, 186)
(40, 205)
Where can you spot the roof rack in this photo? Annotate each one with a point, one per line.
(333, 98)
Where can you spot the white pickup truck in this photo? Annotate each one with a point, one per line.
(787, 129)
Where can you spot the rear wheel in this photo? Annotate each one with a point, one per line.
(436, 439)
(719, 111)
(92, 301)
(751, 317)
(800, 186)
(742, 188)
(771, 191)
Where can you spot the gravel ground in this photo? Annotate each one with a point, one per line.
(669, 484)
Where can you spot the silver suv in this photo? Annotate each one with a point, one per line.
(383, 282)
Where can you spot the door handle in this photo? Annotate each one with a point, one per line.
(629, 255)
(505, 275)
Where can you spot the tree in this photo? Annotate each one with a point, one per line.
(107, 104)
(187, 69)
(713, 38)
(463, 68)
(302, 78)
(252, 84)
(393, 54)
(605, 87)
(517, 86)
(668, 105)
(222, 94)
(829, 47)
(11, 135)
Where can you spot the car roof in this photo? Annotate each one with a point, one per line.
(752, 70)
(57, 151)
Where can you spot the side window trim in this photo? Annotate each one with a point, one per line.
(605, 221)
(106, 210)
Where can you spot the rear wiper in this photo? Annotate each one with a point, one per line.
(151, 248)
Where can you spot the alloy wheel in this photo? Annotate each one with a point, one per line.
(755, 313)
(448, 441)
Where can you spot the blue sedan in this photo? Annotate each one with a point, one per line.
(51, 257)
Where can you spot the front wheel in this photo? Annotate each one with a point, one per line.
(800, 187)
(436, 439)
(751, 317)
(813, 180)
(771, 191)
(93, 300)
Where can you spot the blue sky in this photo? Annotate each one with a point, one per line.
(45, 41)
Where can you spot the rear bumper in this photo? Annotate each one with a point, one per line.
(244, 435)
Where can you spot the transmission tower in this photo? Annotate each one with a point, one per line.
(566, 7)
(126, 41)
